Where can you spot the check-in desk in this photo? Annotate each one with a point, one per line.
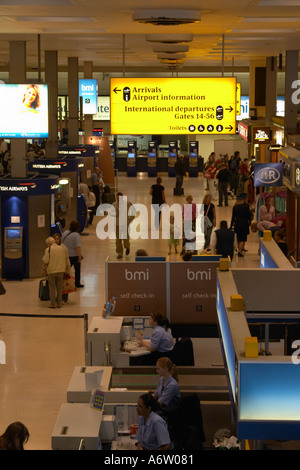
(85, 379)
(271, 255)
(77, 421)
(106, 336)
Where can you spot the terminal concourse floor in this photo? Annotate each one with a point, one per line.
(44, 345)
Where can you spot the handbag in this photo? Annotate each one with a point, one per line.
(207, 222)
(45, 267)
(68, 284)
(2, 289)
(44, 270)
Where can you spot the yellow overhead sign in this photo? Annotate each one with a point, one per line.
(238, 99)
(173, 105)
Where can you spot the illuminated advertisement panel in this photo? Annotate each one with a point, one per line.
(173, 105)
(24, 111)
(88, 90)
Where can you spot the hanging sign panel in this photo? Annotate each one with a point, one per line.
(173, 105)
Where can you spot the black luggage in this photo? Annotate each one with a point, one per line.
(108, 198)
(44, 290)
(178, 193)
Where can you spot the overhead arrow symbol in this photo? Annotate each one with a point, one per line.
(116, 90)
(229, 109)
(230, 127)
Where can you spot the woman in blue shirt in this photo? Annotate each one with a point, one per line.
(152, 431)
(167, 392)
(161, 342)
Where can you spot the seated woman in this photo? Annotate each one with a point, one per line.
(167, 392)
(161, 342)
(152, 431)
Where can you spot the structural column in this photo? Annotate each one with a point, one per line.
(51, 78)
(17, 74)
(73, 91)
(88, 118)
(271, 97)
(291, 76)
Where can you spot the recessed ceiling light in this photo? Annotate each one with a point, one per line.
(166, 17)
(170, 48)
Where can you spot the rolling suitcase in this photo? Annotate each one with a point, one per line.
(44, 290)
(176, 192)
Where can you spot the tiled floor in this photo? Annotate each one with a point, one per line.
(43, 348)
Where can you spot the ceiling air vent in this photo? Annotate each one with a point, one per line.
(166, 17)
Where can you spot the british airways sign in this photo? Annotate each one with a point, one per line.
(268, 174)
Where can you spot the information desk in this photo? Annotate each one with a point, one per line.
(271, 256)
(85, 379)
(106, 337)
(265, 390)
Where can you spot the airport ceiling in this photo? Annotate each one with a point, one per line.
(140, 35)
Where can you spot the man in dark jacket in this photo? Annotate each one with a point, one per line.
(223, 240)
(180, 173)
(223, 177)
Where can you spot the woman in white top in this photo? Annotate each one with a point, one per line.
(57, 260)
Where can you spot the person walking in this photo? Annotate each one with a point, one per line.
(210, 175)
(223, 178)
(157, 191)
(223, 241)
(122, 224)
(240, 222)
(57, 261)
(209, 211)
(97, 184)
(180, 173)
(71, 239)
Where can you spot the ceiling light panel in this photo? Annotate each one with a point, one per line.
(272, 19)
(56, 19)
(279, 3)
(169, 38)
(172, 56)
(166, 17)
(263, 30)
(46, 3)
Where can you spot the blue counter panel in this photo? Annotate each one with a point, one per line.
(269, 400)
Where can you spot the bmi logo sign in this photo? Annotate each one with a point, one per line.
(268, 174)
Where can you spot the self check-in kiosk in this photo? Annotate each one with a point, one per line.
(193, 159)
(152, 154)
(26, 211)
(90, 153)
(172, 158)
(131, 158)
(113, 151)
(13, 251)
(68, 204)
